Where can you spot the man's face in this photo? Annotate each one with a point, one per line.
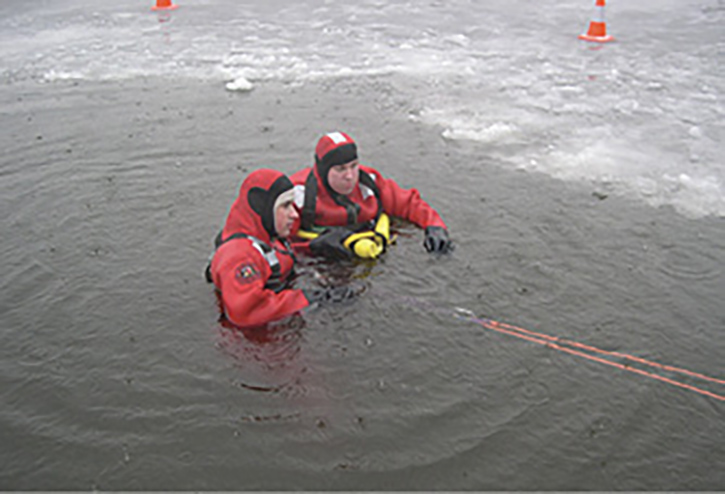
(284, 217)
(343, 178)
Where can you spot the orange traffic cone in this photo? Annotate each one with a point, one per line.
(164, 5)
(598, 27)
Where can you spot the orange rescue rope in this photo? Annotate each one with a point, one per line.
(557, 343)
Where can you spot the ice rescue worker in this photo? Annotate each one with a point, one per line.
(339, 197)
(253, 262)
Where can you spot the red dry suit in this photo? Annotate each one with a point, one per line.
(389, 198)
(251, 265)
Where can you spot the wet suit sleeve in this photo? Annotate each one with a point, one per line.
(406, 204)
(240, 277)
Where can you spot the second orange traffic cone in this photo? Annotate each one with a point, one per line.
(598, 27)
(164, 5)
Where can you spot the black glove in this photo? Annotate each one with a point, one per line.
(333, 295)
(436, 240)
(330, 243)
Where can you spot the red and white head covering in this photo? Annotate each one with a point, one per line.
(335, 148)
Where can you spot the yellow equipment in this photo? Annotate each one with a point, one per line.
(366, 245)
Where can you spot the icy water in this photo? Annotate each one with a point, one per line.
(583, 186)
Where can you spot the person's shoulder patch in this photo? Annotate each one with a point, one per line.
(246, 273)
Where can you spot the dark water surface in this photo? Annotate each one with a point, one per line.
(115, 373)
